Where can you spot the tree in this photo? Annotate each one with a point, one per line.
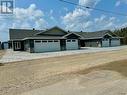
(122, 33)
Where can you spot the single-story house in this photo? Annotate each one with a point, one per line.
(57, 39)
(104, 38)
(54, 39)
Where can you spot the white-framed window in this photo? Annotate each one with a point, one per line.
(50, 40)
(44, 41)
(73, 40)
(68, 40)
(56, 41)
(105, 39)
(115, 39)
(17, 45)
(37, 41)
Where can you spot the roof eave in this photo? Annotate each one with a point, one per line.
(41, 38)
(91, 38)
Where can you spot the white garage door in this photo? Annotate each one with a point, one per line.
(115, 42)
(46, 45)
(71, 44)
(105, 43)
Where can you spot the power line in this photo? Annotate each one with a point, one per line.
(87, 7)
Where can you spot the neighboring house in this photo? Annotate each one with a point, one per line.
(4, 45)
(57, 39)
(104, 38)
(54, 39)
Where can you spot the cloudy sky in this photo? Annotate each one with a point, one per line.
(43, 14)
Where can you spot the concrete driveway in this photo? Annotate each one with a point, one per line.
(13, 56)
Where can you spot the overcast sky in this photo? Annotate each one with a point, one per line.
(42, 14)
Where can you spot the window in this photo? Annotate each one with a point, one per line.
(73, 40)
(17, 45)
(37, 41)
(105, 39)
(115, 39)
(50, 41)
(56, 41)
(68, 40)
(44, 41)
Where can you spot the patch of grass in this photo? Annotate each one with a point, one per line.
(117, 66)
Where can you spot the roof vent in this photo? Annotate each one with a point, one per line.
(81, 31)
(33, 28)
(68, 31)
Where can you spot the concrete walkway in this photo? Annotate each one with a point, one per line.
(13, 56)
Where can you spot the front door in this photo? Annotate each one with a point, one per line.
(63, 44)
(17, 45)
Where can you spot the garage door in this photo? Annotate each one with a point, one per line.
(46, 45)
(71, 44)
(105, 43)
(115, 42)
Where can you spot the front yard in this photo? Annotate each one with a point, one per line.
(2, 52)
(13, 56)
(48, 76)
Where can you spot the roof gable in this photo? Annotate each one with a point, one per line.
(107, 36)
(72, 35)
(55, 31)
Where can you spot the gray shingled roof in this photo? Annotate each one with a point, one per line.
(19, 34)
(98, 34)
(45, 31)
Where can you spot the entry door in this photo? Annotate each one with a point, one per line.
(17, 45)
(63, 44)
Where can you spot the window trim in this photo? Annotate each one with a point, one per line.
(50, 41)
(73, 40)
(44, 41)
(56, 41)
(68, 41)
(37, 41)
(17, 45)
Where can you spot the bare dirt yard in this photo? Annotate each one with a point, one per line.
(1, 53)
(102, 73)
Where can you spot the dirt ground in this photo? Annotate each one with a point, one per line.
(1, 53)
(101, 73)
